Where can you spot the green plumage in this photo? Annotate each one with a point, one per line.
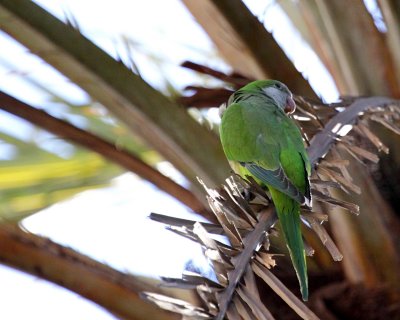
(258, 135)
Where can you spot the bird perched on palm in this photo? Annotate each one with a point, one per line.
(259, 139)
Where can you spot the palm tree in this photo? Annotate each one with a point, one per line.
(362, 60)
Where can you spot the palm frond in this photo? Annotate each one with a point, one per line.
(246, 217)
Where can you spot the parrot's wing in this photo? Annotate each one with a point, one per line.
(278, 180)
(294, 134)
(307, 167)
(256, 136)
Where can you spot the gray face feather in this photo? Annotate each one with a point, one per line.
(279, 95)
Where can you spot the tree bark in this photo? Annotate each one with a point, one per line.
(111, 289)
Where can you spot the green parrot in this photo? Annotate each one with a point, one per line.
(260, 140)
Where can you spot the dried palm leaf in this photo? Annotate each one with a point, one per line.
(246, 215)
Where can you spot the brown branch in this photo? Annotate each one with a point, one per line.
(236, 79)
(351, 234)
(191, 148)
(88, 140)
(321, 142)
(347, 24)
(205, 97)
(245, 43)
(250, 243)
(336, 30)
(111, 289)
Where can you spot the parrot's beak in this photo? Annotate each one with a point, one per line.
(290, 105)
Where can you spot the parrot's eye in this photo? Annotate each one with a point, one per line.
(278, 86)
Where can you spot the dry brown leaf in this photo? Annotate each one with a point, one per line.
(280, 289)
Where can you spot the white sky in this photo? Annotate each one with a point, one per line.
(99, 222)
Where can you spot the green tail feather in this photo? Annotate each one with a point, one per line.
(288, 212)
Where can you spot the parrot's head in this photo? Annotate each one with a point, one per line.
(272, 89)
(278, 92)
